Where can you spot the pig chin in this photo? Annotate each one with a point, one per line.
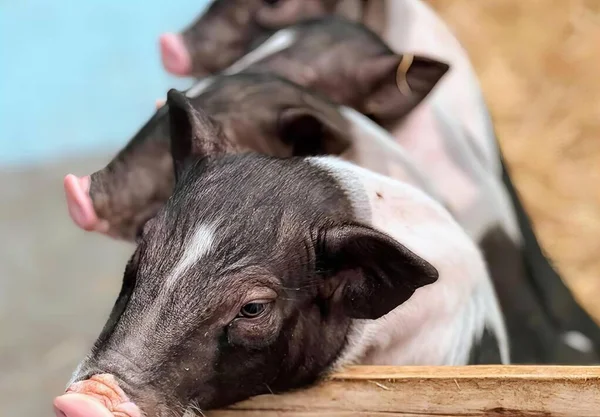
(98, 396)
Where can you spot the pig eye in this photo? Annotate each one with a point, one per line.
(252, 310)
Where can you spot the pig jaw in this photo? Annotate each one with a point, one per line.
(98, 396)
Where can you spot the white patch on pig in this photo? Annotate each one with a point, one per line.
(493, 205)
(439, 324)
(196, 247)
(374, 148)
(198, 88)
(279, 41)
(578, 341)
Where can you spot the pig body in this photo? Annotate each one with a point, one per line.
(412, 25)
(263, 274)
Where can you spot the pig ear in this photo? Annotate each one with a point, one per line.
(193, 133)
(376, 272)
(314, 131)
(396, 84)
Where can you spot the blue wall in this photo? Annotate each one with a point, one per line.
(81, 76)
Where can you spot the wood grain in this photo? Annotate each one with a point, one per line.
(493, 391)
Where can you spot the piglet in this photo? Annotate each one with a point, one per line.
(327, 54)
(228, 29)
(259, 112)
(263, 274)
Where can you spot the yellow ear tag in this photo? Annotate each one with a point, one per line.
(401, 72)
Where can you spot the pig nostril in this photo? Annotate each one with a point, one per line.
(59, 413)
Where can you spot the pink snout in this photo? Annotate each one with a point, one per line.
(80, 206)
(99, 396)
(175, 57)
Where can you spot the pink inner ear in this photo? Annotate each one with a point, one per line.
(79, 203)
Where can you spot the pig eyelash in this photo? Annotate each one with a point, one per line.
(266, 305)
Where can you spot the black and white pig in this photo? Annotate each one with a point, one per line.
(257, 112)
(263, 274)
(118, 199)
(228, 29)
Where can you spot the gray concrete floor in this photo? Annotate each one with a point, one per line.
(57, 286)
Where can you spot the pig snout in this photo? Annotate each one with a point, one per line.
(175, 55)
(79, 203)
(98, 396)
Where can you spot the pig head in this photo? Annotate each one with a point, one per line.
(259, 113)
(250, 279)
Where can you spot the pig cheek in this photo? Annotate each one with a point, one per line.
(255, 333)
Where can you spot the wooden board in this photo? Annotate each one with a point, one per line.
(569, 391)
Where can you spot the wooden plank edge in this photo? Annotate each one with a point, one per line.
(516, 390)
(462, 372)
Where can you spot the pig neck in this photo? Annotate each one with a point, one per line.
(441, 322)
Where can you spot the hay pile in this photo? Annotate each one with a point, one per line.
(539, 67)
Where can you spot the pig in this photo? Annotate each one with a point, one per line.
(259, 112)
(228, 29)
(325, 55)
(262, 274)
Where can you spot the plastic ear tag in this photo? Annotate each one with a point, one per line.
(401, 80)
